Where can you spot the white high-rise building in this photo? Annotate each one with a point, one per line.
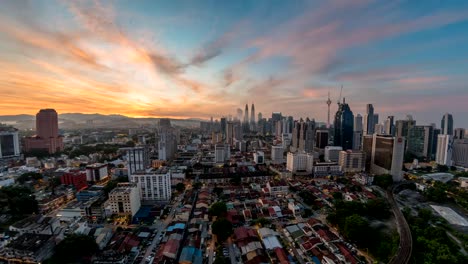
(155, 185)
(125, 199)
(277, 154)
(300, 162)
(444, 149)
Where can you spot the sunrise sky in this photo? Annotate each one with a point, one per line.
(205, 58)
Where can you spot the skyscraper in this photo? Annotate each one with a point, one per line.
(246, 114)
(419, 141)
(459, 133)
(387, 155)
(344, 126)
(389, 126)
(239, 114)
(444, 149)
(402, 126)
(47, 136)
(446, 124)
(357, 133)
(252, 118)
(369, 120)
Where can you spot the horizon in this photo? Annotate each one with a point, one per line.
(194, 60)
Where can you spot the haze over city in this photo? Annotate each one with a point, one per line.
(197, 59)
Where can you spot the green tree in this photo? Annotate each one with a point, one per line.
(222, 228)
(218, 191)
(218, 209)
(355, 227)
(442, 168)
(18, 200)
(29, 176)
(180, 187)
(338, 196)
(384, 180)
(67, 250)
(261, 221)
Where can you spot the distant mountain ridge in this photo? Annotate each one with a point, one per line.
(80, 120)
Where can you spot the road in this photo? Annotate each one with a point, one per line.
(403, 253)
(160, 226)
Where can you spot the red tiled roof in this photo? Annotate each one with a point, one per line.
(281, 255)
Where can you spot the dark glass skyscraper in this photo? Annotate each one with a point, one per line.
(344, 126)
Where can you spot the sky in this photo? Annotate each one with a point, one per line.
(197, 59)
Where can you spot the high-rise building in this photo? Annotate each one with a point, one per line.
(239, 114)
(47, 136)
(222, 153)
(387, 155)
(389, 126)
(379, 129)
(402, 127)
(460, 153)
(369, 120)
(352, 160)
(223, 123)
(446, 124)
(229, 130)
(321, 139)
(444, 149)
(9, 143)
(435, 137)
(167, 144)
(358, 132)
(419, 141)
(376, 119)
(137, 159)
(76, 178)
(367, 145)
(125, 199)
(459, 133)
(155, 185)
(344, 126)
(253, 125)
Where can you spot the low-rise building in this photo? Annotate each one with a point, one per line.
(96, 172)
(28, 248)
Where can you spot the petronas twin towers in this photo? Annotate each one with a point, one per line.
(252, 114)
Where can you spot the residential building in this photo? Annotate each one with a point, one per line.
(259, 157)
(9, 142)
(277, 156)
(332, 153)
(76, 178)
(387, 155)
(222, 153)
(47, 136)
(352, 160)
(322, 169)
(344, 126)
(277, 187)
(460, 153)
(155, 185)
(299, 162)
(28, 248)
(96, 172)
(125, 199)
(446, 124)
(444, 149)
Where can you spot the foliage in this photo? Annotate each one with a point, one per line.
(66, 251)
(180, 187)
(222, 228)
(431, 244)
(307, 197)
(442, 168)
(338, 196)
(218, 209)
(384, 180)
(86, 150)
(28, 176)
(197, 185)
(307, 213)
(355, 226)
(218, 191)
(236, 180)
(445, 192)
(453, 168)
(18, 201)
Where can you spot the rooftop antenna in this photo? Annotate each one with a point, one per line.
(339, 99)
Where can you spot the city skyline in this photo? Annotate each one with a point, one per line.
(187, 59)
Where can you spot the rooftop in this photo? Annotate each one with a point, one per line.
(29, 242)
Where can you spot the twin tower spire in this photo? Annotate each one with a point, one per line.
(252, 114)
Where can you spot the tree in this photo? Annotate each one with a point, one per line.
(453, 168)
(261, 221)
(218, 191)
(29, 176)
(355, 227)
(384, 180)
(66, 251)
(180, 187)
(338, 196)
(222, 228)
(218, 209)
(18, 201)
(442, 168)
(197, 185)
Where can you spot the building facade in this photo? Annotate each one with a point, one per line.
(352, 160)
(277, 156)
(387, 155)
(96, 172)
(446, 125)
(9, 143)
(76, 178)
(419, 141)
(137, 159)
(125, 199)
(344, 126)
(460, 153)
(299, 162)
(47, 137)
(444, 149)
(155, 185)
